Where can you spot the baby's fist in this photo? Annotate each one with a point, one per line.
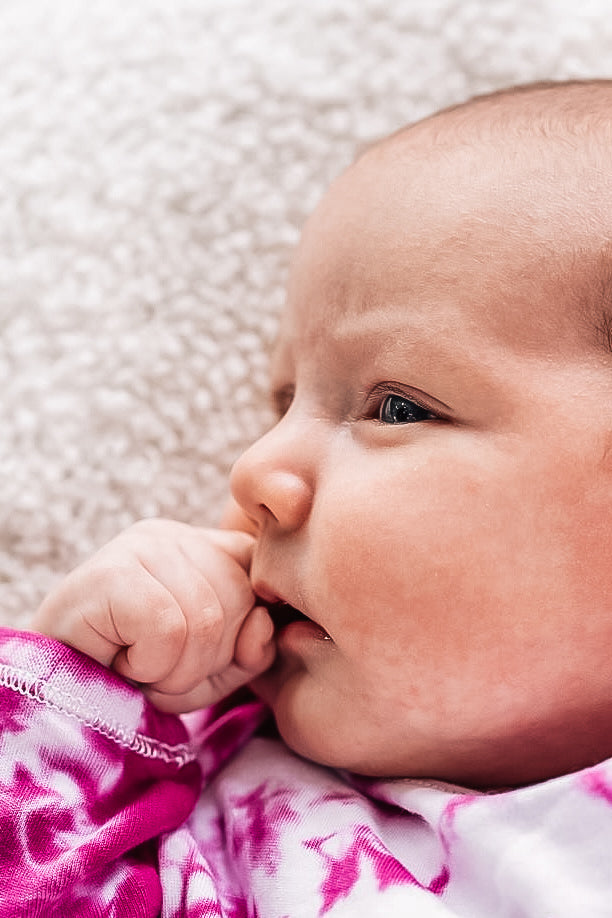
(169, 606)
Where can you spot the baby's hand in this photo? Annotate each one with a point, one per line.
(169, 606)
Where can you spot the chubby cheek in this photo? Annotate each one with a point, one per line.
(455, 593)
(420, 567)
(386, 559)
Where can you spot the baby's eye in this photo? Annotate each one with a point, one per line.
(397, 409)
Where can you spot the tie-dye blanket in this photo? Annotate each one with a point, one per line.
(110, 808)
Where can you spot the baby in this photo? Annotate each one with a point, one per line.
(436, 499)
(415, 572)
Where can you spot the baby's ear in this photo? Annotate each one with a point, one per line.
(234, 517)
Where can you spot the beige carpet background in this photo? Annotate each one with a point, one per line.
(156, 162)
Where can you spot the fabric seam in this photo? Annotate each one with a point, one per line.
(31, 686)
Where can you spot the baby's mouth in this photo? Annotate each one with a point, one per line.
(283, 614)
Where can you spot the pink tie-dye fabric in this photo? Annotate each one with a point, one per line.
(109, 808)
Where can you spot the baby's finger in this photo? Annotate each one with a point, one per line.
(215, 596)
(234, 517)
(206, 649)
(203, 572)
(238, 545)
(212, 690)
(149, 625)
(103, 609)
(256, 654)
(150, 657)
(252, 652)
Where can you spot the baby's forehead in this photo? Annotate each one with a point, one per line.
(533, 179)
(576, 113)
(549, 134)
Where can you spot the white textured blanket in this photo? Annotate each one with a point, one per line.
(157, 158)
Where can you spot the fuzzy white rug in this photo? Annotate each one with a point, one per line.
(156, 161)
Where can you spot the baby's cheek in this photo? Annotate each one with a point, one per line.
(358, 580)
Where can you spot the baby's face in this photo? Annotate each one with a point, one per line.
(436, 496)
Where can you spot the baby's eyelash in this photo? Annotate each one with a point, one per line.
(382, 392)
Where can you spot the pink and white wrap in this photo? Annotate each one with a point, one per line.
(110, 808)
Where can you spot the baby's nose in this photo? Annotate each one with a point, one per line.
(273, 480)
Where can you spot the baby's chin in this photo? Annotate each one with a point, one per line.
(268, 685)
(494, 755)
(279, 689)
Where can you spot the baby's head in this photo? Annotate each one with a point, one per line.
(437, 494)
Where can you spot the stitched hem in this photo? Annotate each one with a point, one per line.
(30, 686)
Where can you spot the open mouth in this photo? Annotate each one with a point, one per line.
(283, 614)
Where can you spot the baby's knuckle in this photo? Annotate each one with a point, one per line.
(144, 531)
(209, 626)
(170, 624)
(104, 572)
(148, 524)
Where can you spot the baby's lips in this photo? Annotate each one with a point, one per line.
(283, 614)
(281, 611)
